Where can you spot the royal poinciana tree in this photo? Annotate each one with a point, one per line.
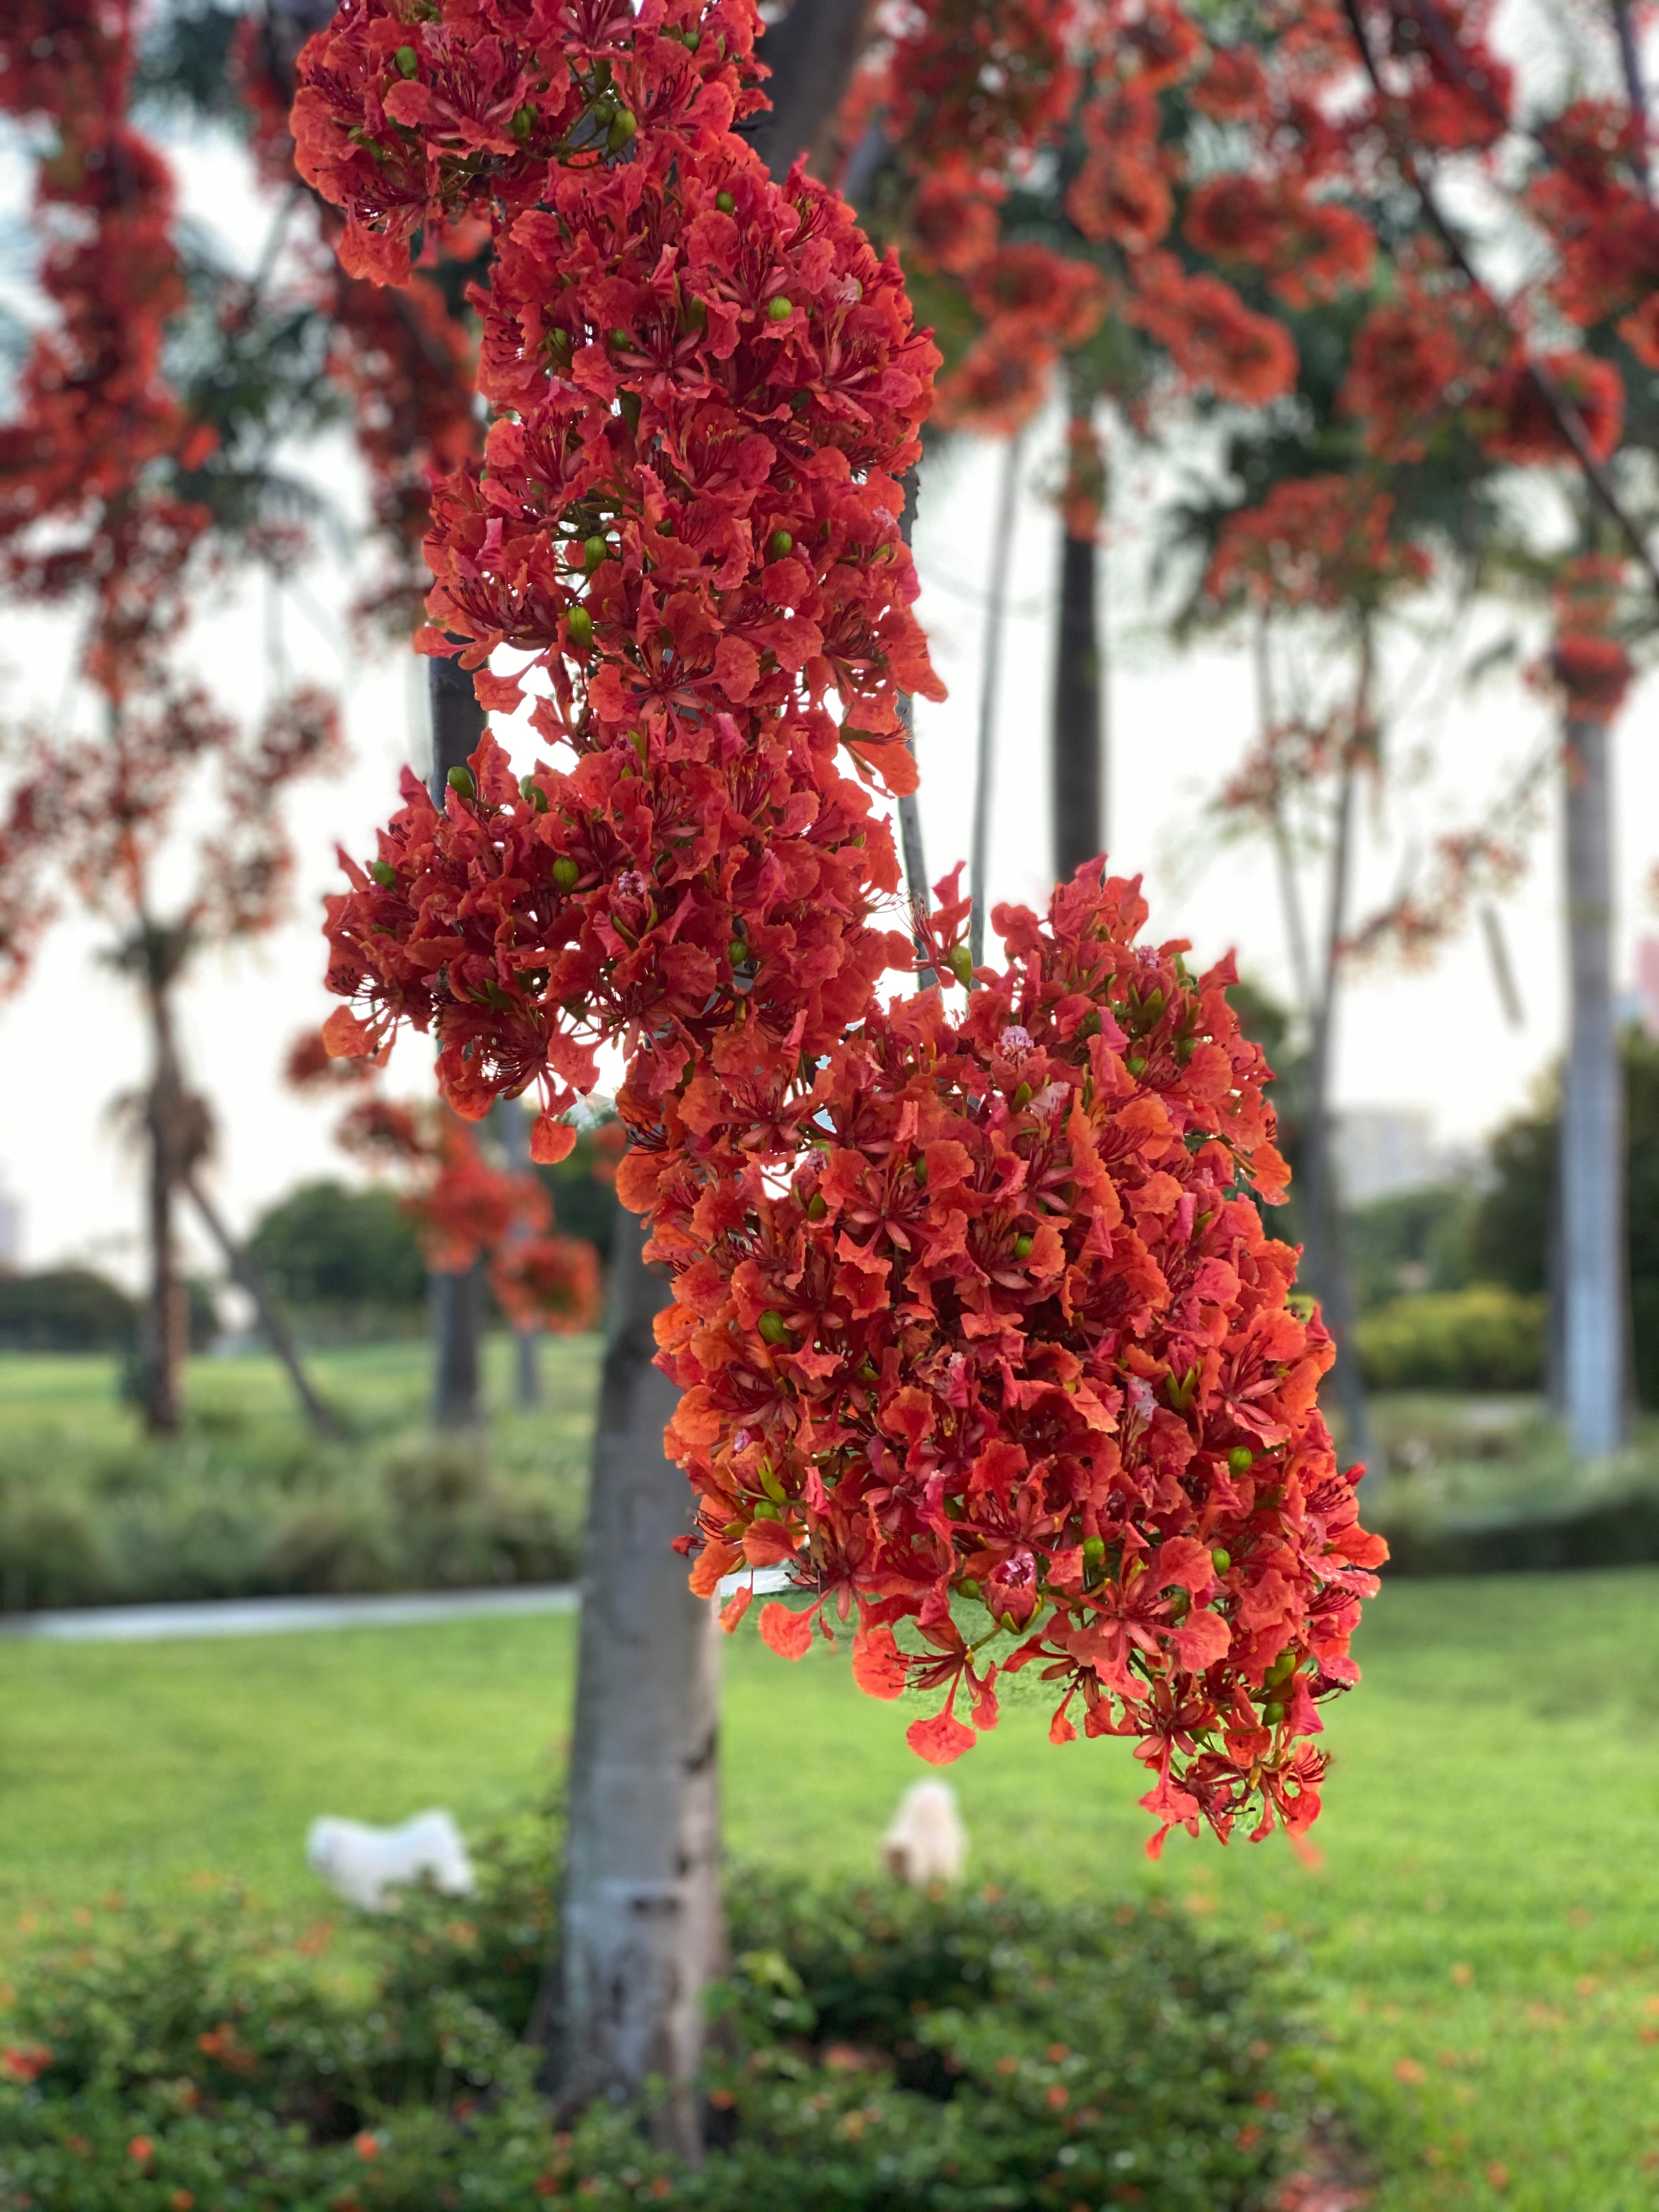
(116, 503)
(979, 1338)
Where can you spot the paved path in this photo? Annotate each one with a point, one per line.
(278, 1616)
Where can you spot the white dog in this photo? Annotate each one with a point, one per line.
(928, 1842)
(365, 1864)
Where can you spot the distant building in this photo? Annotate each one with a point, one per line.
(11, 1229)
(1382, 1150)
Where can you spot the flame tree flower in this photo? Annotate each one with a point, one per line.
(707, 387)
(980, 1335)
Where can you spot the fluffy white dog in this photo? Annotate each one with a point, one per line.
(364, 1864)
(926, 1842)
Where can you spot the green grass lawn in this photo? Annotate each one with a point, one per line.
(1483, 1932)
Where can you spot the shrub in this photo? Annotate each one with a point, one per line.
(1481, 1338)
(878, 2049)
(328, 1245)
(64, 1309)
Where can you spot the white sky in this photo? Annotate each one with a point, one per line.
(71, 1041)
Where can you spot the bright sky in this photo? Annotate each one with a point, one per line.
(71, 1042)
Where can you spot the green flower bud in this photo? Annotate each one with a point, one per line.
(780, 309)
(579, 624)
(384, 873)
(691, 41)
(461, 778)
(962, 964)
(817, 1207)
(523, 123)
(1022, 1246)
(1136, 1064)
(566, 872)
(620, 337)
(621, 130)
(1094, 1549)
(970, 1589)
(765, 1511)
(594, 549)
(408, 61)
(726, 203)
(780, 544)
(1272, 1715)
(1221, 1559)
(1240, 1460)
(737, 952)
(534, 796)
(1022, 1097)
(774, 1327)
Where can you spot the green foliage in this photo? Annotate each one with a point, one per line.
(583, 1187)
(940, 2054)
(1512, 1229)
(1484, 1338)
(64, 1309)
(333, 1246)
(1411, 1241)
(248, 1502)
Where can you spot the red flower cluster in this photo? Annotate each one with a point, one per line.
(467, 1210)
(1321, 543)
(980, 1335)
(1310, 249)
(1587, 666)
(709, 388)
(95, 414)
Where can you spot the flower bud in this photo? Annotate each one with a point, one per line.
(962, 964)
(779, 543)
(566, 872)
(580, 625)
(534, 797)
(408, 61)
(780, 309)
(1094, 1549)
(621, 130)
(765, 1511)
(461, 778)
(726, 203)
(817, 1207)
(1022, 1246)
(1221, 1559)
(1136, 1064)
(384, 873)
(1240, 1460)
(774, 1327)
(594, 549)
(1022, 1097)
(523, 123)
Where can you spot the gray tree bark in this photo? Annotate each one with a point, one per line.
(455, 1301)
(1078, 755)
(642, 1930)
(1591, 1178)
(811, 53)
(272, 1320)
(511, 1120)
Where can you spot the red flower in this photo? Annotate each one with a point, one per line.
(1310, 249)
(1320, 542)
(1211, 337)
(24, 2061)
(986, 1314)
(1524, 427)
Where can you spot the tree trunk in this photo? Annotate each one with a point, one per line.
(642, 1930)
(1079, 759)
(455, 1301)
(509, 1117)
(1591, 1178)
(165, 1342)
(990, 680)
(811, 53)
(1326, 1260)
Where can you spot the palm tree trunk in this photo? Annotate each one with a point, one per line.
(456, 1301)
(642, 1928)
(1081, 829)
(1591, 1178)
(166, 1341)
(990, 681)
(1324, 1244)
